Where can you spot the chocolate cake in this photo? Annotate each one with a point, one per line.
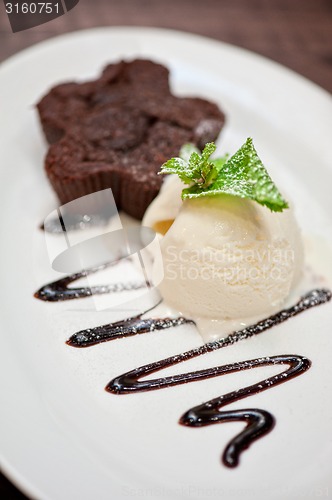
(117, 131)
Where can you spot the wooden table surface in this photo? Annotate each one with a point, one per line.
(295, 33)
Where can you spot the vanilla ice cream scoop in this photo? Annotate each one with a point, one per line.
(225, 258)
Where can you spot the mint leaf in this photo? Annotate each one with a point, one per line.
(193, 167)
(242, 175)
(177, 166)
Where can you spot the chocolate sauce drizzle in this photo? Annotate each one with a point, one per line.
(258, 422)
(74, 222)
(138, 324)
(59, 290)
(124, 328)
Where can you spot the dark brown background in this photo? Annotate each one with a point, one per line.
(296, 33)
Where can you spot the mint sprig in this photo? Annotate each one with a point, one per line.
(242, 175)
(193, 167)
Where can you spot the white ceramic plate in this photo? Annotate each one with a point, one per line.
(62, 436)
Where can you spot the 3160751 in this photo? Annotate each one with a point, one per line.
(32, 8)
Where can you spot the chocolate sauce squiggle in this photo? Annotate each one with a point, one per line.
(129, 381)
(74, 222)
(136, 325)
(124, 328)
(59, 290)
(259, 422)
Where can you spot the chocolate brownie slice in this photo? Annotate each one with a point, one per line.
(79, 164)
(118, 130)
(120, 84)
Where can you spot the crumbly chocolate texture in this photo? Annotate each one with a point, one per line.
(115, 132)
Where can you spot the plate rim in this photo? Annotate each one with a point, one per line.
(24, 53)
